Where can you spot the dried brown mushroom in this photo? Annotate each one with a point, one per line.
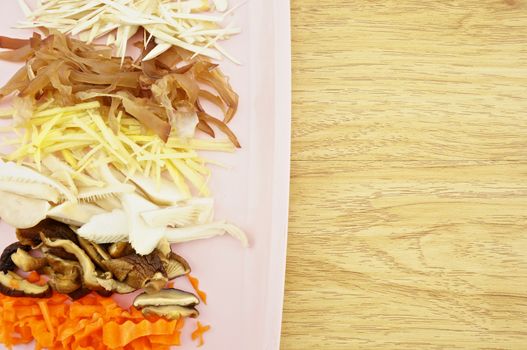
(24, 261)
(175, 265)
(168, 296)
(51, 229)
(171, 312)
(65, 275)
(169, 303)
(111, 285)
(13, 285)
(120, 249)
(163, 247)
(79, 293)
(88, 268)
(90, 277)
(139, 271)
(6, 263)
(95, 252)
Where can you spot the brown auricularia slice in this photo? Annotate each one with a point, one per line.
(13, 285)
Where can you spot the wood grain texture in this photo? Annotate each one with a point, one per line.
(408, 220)
(409, 79)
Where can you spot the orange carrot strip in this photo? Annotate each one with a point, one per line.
(47, 318)
(115, 335)
(33, 277)
(92, 323)
(198, 333)
(195, 284)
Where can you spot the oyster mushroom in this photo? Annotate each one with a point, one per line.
(6, 263)
(22, 212)
(65, 275)
(169, 303)
(120, 249)
(139, 271)
(24, 261)
(13, 285)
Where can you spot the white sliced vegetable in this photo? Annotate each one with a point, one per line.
(170, 21)
(22, 212)
(200, 211)
(142, 237)
(156, 51)
(221, 5)
(106, 228)
(76, 214)
(171, 216)
(91, 194)
(30, 190)
(164, 193)
(191, 233)
(109, 203)
(20, 176)
(56, 165)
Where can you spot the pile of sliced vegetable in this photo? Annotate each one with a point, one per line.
(164, 94)
(190, 24)
(104, 177)
(91, 322)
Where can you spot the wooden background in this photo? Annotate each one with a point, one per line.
(408, 221)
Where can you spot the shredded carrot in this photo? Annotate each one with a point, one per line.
(45, 314)
(198, 333)
(90, 323)
(195, 284)
(33, 277)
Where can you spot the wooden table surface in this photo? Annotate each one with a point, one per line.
(408, 220)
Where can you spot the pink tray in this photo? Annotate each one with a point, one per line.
(244, 286)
